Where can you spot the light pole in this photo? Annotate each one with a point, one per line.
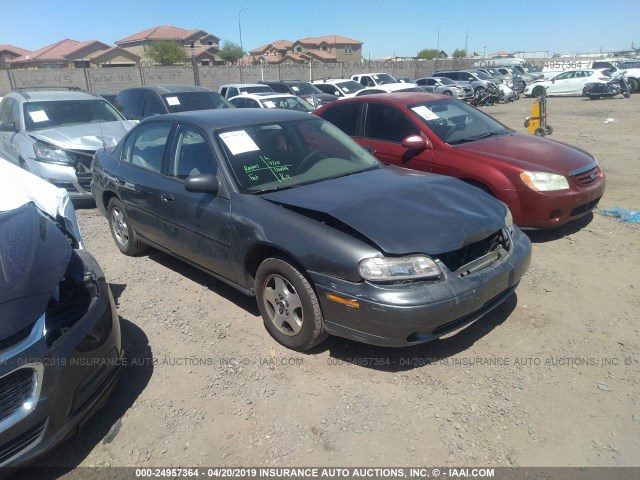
(241, 48)
(438, 44)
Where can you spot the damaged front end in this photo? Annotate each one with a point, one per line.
(60, 346)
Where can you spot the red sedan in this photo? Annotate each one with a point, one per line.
(545, 183)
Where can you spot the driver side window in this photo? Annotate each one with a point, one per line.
(191, 155)
(387, 123)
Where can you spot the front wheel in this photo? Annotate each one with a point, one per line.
(121, 229)
(289, 305)
(538, 92)
(540, 132)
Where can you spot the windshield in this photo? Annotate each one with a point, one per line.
(350, 86)
(284, 155)
(256, 89)
(456, 122)
(188, 101)
(446, 81)
(287, 103)
(304, 88)
(384, 78)
(65, 113)
(483, 76)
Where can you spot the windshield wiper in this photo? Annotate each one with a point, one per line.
(479, 137)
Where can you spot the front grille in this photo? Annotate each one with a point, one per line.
(467, 254)
(20, 443)
(587, 207)
(81, 159)
(587, 178)
(15, 338)
(15, 390)
(84, 179)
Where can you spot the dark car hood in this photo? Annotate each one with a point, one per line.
(402, 211)
(532, 152)
(322, 97)
(34, 255)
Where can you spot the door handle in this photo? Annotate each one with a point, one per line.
(166, 198)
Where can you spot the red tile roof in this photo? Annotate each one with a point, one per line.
(124, 52)
(163, 32)
(278, 45)
(14, 50)
(58, 51)
(330, 39)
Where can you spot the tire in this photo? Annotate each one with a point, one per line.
(548, 130)
(289, 305)
(540, 132)
(633, 85)
(121, 229)
(538, 91)
(527, 123)
(447, 92)
(478, 91)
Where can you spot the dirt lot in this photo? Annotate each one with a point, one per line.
(549, 379)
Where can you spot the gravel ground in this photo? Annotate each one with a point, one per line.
(548, 379)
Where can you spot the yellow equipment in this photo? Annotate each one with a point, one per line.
(537, 123)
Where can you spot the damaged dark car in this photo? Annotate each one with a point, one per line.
(289, 209)
(60, 347)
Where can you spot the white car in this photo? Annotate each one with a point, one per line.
(390, 88)
(233, 89)
(340, 87)
(271, 100)
(445, 86)
(567, 83)
(377, 79)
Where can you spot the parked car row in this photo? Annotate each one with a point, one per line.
(276, 203)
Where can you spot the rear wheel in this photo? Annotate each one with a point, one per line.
(548, 130)
(121, 229)
(540, 132)
(633, 85)
(289, 305)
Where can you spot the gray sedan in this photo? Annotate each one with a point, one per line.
(445, 86)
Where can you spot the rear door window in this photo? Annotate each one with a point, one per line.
(387, 123)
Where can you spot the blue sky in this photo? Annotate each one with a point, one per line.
(386, 28)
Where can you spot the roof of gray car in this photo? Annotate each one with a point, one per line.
(171, 88)
(55, 95)
(231, 117)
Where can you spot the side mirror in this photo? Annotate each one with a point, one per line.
(416, 142)
(370, 149)
(8, 127)
(202, 184)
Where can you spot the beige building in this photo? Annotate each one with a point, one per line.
(326, 49)
(197, 44)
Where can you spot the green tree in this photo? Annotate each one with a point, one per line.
(459, 53)
(230, 51)
(428, 53)
(166, 53)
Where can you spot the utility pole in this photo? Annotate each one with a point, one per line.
(466, 41)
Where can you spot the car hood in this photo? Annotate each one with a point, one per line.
(34, 255)
(322, 97)
(532, 153)
(402, 211)
(88, 136)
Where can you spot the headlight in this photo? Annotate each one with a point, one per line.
(544, 181)
(404, 268)
(50, 154)
(508, 220)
